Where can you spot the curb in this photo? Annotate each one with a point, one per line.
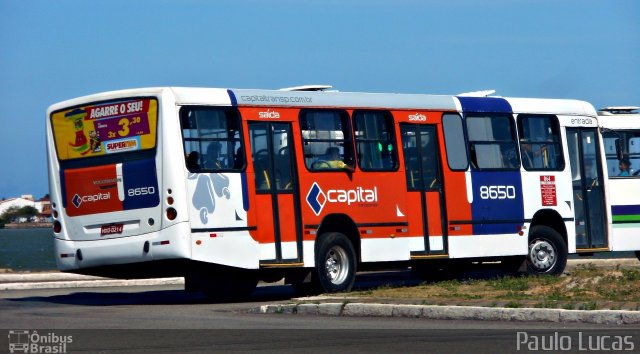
(612, 317)
(45, 277)
(65, 281)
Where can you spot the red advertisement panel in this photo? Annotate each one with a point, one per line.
(92, 190)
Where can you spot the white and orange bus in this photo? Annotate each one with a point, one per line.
(229, 186)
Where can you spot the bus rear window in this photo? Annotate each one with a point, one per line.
(104, 128)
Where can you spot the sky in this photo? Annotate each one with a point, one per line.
(51, 51)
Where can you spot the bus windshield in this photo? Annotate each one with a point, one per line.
(107, 127)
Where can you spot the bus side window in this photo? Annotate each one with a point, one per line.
(492, 142)
(375, 140)
(540, 147)
(454, 142)
(325, 131)
(214, 135)
(629, 145)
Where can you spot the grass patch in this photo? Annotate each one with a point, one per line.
(582, 287)
(511, 284)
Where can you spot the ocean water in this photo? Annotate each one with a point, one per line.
(27, 249)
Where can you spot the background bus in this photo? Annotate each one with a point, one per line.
(621, 134)
(229, 186)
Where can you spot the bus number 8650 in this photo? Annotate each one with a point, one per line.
(497, 192)
(133, 192)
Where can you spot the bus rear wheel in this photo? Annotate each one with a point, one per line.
(547, 251)
(335, 269)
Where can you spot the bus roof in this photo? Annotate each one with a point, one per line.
(320, 98)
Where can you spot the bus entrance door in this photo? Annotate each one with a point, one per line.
(588, 194)
(424, 185)
(278, 220)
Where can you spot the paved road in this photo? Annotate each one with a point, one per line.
(163, 318)
(152, 319)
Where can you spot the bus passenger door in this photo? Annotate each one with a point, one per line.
(424, 186)
(588, 193)
(279, 226)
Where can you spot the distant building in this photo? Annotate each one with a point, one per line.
(43, 206)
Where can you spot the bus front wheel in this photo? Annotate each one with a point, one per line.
(547, 251)
(335, 263)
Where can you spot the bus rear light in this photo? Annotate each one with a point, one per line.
(55, 214)
(170, 200)
(57, 227)
(161, 243)
(172, 214)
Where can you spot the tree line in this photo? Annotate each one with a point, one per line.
(16, 212)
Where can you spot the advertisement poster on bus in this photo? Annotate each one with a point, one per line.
(105, 128)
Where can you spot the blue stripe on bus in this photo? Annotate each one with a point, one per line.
(485, 104)
(140, 184)
(63, 189)
(232, 97)
(625, 209)
(498, 206)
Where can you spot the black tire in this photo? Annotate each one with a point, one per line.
(335, 269)
(547, 251)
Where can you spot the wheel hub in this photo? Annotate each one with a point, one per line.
(542, 255)
(336, 265)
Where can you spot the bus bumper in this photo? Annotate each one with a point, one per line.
(170, 243)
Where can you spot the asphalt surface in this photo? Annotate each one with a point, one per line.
(350, 306)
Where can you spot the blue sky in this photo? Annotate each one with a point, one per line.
(55, 50)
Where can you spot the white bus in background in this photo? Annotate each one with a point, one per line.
(620, 127)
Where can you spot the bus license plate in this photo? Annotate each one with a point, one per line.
(106, 230)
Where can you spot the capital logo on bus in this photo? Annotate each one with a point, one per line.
(316, 198)
(77, 200)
